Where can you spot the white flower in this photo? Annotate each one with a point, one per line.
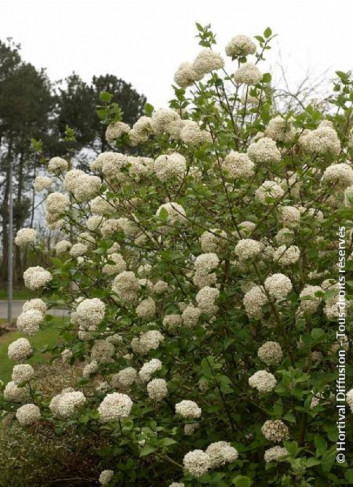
(263, 381)
(264, 151)
(170, 167)
(20, 350)
(87, 187)
(28, 322)
(150, 340)
(206, 298)
(13, 393)
(191, 133)
(78, 249)
(166, 120)
(247, 249)
(89, 369)
(22, 373)
(207, 61)
(90, 312)
(270, 353)
(240, 45)
(70, 180)
(238, 165)
(221, 453)
(126, 286)
(36, 277)
(28, 414)
(38, 304)
(275, 454)
(125, 378)
(253, 301)
(284, 236)
(286, 255)
(41, 183)
(57, 165)
(188, 409)
(280, 129)
(322, 140)
(118, 265)
(206, 262)
(62, 247)
(185, 75)
(275, 431)
(146, 309)
(339, 175)
(309, 301)
(191, 316)
(269, 189)
(197, 463)
(102, 351)
(157, 389)
(56, 204)
(290, 216)
(149, 368)
(105, 477)
(114, 407)
(25, 236)
(278, 285)
(213, 241)
(66, 404)
(249, 74)
(175, 212)
(115, 130)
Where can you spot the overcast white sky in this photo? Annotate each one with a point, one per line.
(143, 42)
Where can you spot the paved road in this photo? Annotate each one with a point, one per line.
(17, 308)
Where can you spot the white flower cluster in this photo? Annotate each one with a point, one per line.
(248, 74)
(146, 309)
(186, 75)
(263, 381)
(323, 140)
(197, 463)
(28, 414)
(247, 249)
(41, 183)
(157, 389)
(126, 286)
(166, 120)
(22, 373)
(20, 350)
(290, 216)
(253, 301)
(339, 175)
(125, 378)
(278, 285)
(191, 316)
(264, 151)
(114, 407)
(86, 187)
(37, 304)
(141, 130)
(149, 368)
(221, 453)
(280, 129)
(191, 133)
(207, 61)
(36, 277)
(170, 167)
(117, 266)
(188, 409)
(105, 477)
(213, 241)
(89, 369)
(275, 431)
(102, 351)
(286, 255)
(57, 165)
(67, 403)
(269, 190)
(25, 236)
(28, 322)
(206, 299)
(275, 454)
(270, 353)
(238, 165)
(89, 312)
(150, 340)
(309, 301)
(115, 130)
(175, 212)
(240, 45)
(56, 206)
(62, 246)
(14, 393)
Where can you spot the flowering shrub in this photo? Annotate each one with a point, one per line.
(199, 263)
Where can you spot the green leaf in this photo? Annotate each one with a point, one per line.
(242, 481)
(105, 97)
(147, 450)
(268, 32)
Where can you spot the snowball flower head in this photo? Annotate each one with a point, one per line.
(280, 129)
(36, 277)
(13, 393)
(146, 309)
(248, 74)
(270, 353)
(247, 249)
(57, 165)
(263, 381)
(309, 301)
(126, 286)
(28, 322)
(188, 409)
(38, 304)
(323, 140)
(213, 241)
(175, 212)
(287, 255)
(339, 175)
(90, 312)
(87, 187)
(105, 477)
(185, 75)
(157, 389)
(68, 403)
(240, 45)
(149, 368)
(62, 246)
(41, 183)
(165, 120)
(125, 378)
(253, 301)
(269, 189)
(115, 130)
(25, 236)
(221, 453)
(197, 463)
(22, 373)
(20, 350)
(168, 167)
(207, 61)
(264, 151)
(274, 454)
(290, 216)
(114, 407)
(275, 431)
(28, 414)
(56, 204)
(238, 165)
(278, 285)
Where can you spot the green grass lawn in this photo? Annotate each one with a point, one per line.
(18, 294)
(46, 337)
